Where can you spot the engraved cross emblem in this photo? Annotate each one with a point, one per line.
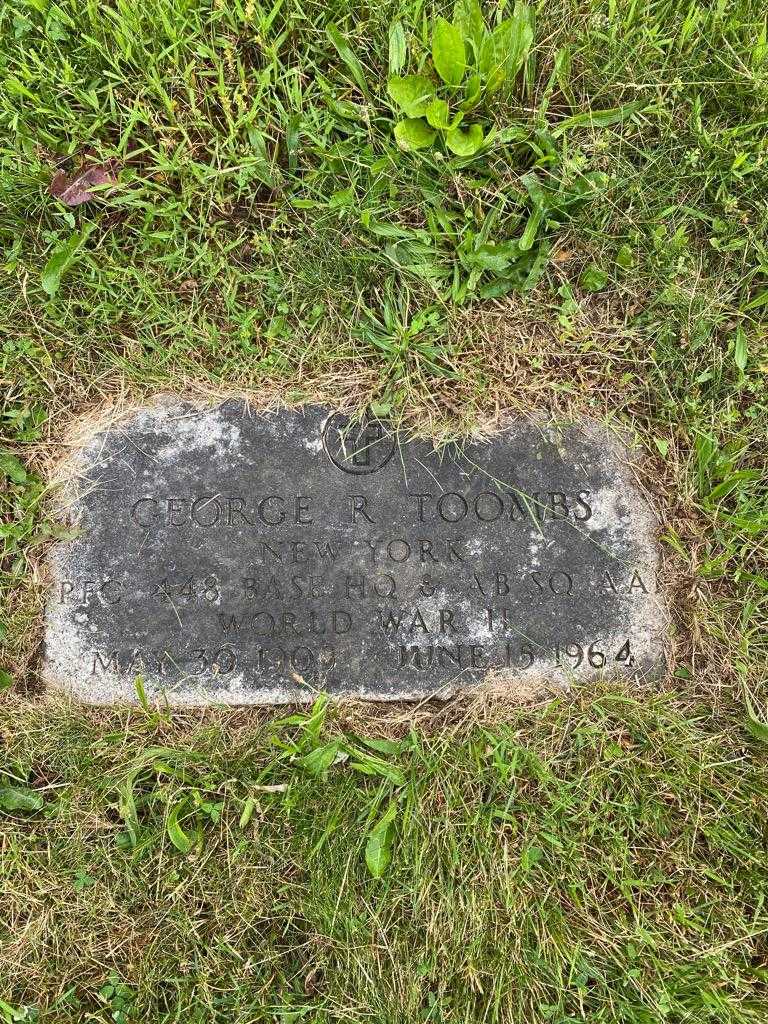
(357, 448)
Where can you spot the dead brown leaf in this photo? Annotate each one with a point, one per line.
(73, 191)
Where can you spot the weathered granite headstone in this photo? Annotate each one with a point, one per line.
(229, 557)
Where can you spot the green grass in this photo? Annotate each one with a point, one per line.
(601, 860)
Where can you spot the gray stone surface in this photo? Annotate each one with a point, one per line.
(230, 557)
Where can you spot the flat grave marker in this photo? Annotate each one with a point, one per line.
(229, 556)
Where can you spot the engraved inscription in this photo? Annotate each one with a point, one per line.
(227, 556)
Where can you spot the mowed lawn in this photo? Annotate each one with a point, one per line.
(559, 208)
